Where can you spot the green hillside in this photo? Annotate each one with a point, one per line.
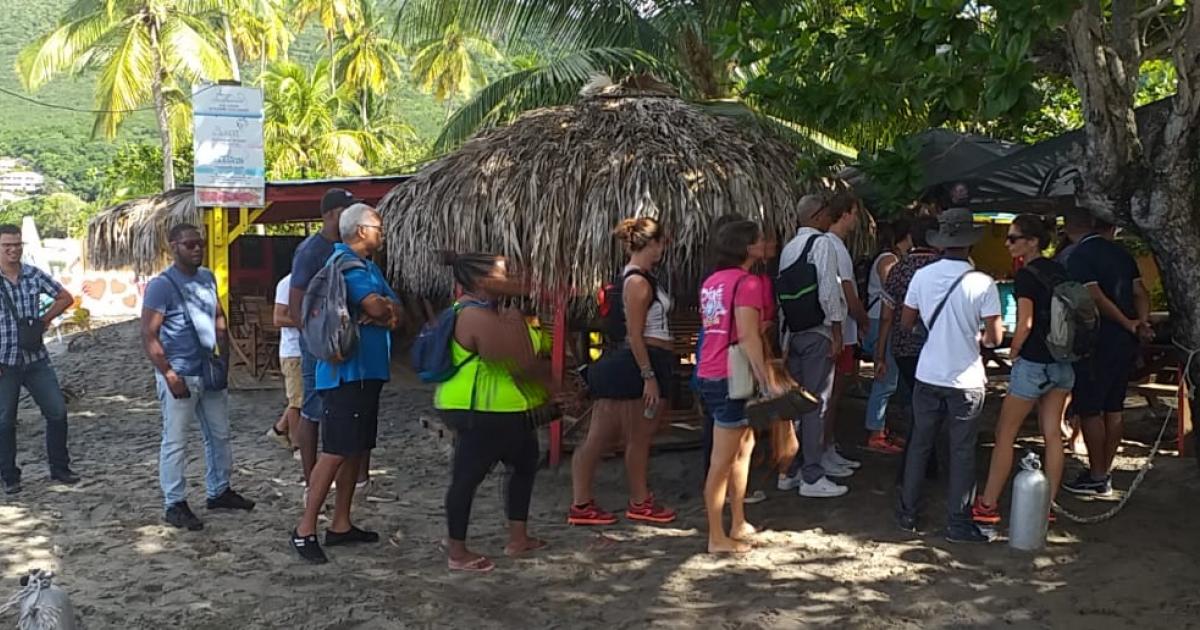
(59, 142)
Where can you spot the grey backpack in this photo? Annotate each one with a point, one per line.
(329, 328)
(1074, 319)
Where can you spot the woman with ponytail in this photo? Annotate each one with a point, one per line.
(490, 402)
(631, 382)
(1036, 378)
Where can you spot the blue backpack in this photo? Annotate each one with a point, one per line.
(431, 356)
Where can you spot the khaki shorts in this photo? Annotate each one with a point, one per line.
(293, 382)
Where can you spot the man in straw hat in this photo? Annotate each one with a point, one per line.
(951, 301)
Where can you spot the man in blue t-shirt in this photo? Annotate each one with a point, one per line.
(183, 328)
(1101, 380)
(310, 256)
(350, 389)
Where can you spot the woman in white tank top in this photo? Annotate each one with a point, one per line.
(896, 242)
(630, 382)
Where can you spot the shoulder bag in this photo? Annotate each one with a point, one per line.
(214, 369)
(29, 329)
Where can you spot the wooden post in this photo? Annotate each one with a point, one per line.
(558, 366)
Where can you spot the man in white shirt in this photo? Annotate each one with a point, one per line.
(811, 352)
(952, 301)
(289, 364)
(846, 363)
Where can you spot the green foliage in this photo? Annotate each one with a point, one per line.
(57, 215)
(135, 170)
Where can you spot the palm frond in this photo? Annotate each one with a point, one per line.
(125, 81)
(189, 47)
(60, 51)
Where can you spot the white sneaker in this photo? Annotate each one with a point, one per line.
(788, 484)
(834, 458)
(822, 489)
(837, 472)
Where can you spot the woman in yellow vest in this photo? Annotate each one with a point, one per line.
(490, 403)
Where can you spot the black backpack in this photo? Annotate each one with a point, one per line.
(612, 305)
(796, 288)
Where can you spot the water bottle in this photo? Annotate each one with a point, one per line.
(1030, 506)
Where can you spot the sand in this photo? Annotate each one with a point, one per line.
(822, 562)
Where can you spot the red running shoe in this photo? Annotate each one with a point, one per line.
(589, 514)
(879, 443)
(649, 511)
(983, 514)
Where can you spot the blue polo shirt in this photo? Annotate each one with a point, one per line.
(371, 359)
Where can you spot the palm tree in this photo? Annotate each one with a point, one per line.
(576, 39)
(145, 50)
(334, 16)
(300, 125)
(450, 61)
(257, 30)
(367, 59)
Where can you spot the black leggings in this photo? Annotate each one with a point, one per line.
(483, 439)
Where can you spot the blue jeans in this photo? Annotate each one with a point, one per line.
(212, 410)
(958, 410)
(41, 381)
(882, 388)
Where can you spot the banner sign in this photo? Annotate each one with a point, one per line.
(228, 142)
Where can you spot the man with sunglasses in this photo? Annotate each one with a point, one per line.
(25, 363)
(183, 327)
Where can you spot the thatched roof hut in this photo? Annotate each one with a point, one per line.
(547, 190)
(133, 234)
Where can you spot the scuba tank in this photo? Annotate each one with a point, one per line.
(1030, 506)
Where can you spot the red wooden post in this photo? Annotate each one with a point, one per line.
(558, 367)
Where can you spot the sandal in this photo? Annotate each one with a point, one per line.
(478, 565)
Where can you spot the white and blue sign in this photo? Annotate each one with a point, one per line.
(228, 142)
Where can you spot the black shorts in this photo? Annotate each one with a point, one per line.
(351, 421)
(1102, 380)
(617, 375)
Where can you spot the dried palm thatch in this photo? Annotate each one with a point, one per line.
(547, 190)
(133, 234)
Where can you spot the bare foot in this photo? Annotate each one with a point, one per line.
(745, 532)
(521, 547)
(728, 545)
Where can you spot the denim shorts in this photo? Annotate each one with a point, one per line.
(725, 413)
(1031, 381)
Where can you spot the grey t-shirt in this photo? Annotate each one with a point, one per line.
(186, 349)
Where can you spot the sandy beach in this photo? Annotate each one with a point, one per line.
(822, 562)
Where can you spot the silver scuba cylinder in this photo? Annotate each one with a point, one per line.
(1030, 506)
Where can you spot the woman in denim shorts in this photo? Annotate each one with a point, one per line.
(732, 304)
(1036, 378)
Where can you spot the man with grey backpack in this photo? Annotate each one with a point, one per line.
(947, 303)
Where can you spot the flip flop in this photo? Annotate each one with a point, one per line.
(478, 565)
(541, 544)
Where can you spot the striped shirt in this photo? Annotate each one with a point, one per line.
(26, 296)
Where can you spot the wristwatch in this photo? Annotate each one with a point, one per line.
(648, 374)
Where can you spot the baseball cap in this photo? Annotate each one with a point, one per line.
(336, 198)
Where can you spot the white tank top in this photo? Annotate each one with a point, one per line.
(657, 326)
(875, 288)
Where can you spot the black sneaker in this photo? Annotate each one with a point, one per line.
(12, 487)
(907, 524)
(970, 533)
(64, 476)
(349, 537)
(309, 548)
(230, 500)
(180, 516)
(1085, 485)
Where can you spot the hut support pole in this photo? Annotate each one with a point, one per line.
(558, 366)
(1186, 422)
(220, 236)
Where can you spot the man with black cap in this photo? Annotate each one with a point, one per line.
(310, 256)
(951, 301)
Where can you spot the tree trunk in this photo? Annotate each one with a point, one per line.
(160, 110)
(363, 110)
(234, 68)
(332, 64)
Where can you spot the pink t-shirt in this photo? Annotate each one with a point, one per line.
(717, 303)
